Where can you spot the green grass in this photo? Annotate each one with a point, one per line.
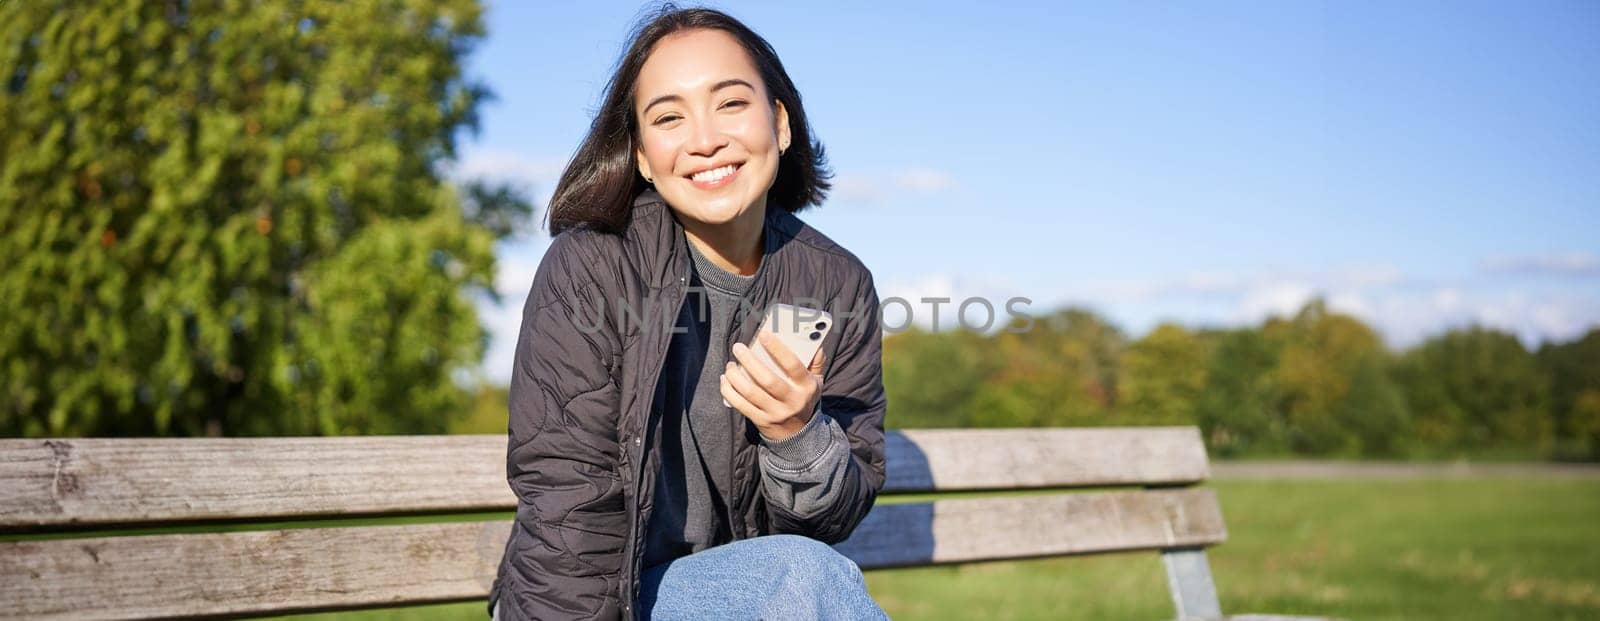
(1441, 549)
(1420, 549)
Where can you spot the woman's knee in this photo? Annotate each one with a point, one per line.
(808, 556)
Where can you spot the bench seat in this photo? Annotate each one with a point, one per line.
(1109, 490)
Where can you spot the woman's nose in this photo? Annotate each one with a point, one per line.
(706, 138)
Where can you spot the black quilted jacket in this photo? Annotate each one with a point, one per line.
(583, 456)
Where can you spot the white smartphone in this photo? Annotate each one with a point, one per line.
(801, 329)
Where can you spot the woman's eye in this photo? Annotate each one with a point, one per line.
(666, 119)
(733, 103)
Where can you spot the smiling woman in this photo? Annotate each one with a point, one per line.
(662, 470)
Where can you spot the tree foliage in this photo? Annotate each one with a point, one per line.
(228, 217)
(938, 375)
(1574, 373)
(1325, 360)
(1062, 370)
(1315, 383)
(1164, 377)
(1239, 407)
(1476, 388)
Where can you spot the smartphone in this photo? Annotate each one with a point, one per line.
(800, 328)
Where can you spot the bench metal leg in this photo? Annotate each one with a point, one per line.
(1189, 579)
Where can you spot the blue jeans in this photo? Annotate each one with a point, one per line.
(772, 577)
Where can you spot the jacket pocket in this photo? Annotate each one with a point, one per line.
(594, 534)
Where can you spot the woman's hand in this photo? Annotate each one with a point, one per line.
(779, 404)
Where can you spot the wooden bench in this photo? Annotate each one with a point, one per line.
(70, 490)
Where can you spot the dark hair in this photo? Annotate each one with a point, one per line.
(602, 180)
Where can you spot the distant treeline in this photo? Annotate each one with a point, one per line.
(1319, 383)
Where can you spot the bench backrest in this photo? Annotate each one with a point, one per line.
(65, 493)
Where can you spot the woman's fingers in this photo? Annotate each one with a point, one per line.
(763, 376)
(767, 397)
(781, 354)
(742, 383)
(738, 401)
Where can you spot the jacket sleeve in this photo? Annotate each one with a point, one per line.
(565, 552)
(853, 398)
(805, 473)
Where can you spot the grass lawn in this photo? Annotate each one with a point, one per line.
(1411, 549)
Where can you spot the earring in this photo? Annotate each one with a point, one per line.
(649, 180)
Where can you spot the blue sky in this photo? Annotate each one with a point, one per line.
(1421, 165)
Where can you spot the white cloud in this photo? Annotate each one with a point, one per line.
(535, 174)
(933, 301)
(504, 165)
(1578, 263)
(1263, 290)
(1367, 276)
(855, 189)
(1268, 299)
(1403, 309)
(873, 188)
(924, 180)
(1407, 318)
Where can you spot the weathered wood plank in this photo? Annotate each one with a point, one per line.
(248, 573)
(67, 482)
(956, 531)
(273, 572)
(922, 460)
(110, 481)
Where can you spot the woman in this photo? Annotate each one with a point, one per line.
(641, 494)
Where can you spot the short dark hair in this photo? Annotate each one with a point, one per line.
(599, 185)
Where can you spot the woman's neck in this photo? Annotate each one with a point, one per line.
(735, 246)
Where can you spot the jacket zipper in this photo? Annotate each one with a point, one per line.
(653, 378)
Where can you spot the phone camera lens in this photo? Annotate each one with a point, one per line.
(822, 325)
(816, 336)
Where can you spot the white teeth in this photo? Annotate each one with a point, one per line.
(711, 176)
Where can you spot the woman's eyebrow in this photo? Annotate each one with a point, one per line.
(714, 88)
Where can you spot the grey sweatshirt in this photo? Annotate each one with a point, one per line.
(802, 473)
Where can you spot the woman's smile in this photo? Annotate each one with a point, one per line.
(714, 178)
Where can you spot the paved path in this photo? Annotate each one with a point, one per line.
(1310, 469)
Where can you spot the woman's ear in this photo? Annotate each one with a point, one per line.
(644, 165)
(782, 120)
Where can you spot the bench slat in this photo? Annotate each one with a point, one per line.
(95, 481)
(64, 483)
(321, 569)
(248, 573)
(956, 531)
(975, 459)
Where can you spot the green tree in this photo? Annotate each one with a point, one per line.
(1058, 370)
(1238, 410)
(1163, 378)
(228, 217)
(1477, 388)
(1322, 357)
(1374, 409)
(1574, 372)
(930, 378)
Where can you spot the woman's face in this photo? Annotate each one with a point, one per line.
(709, 133)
